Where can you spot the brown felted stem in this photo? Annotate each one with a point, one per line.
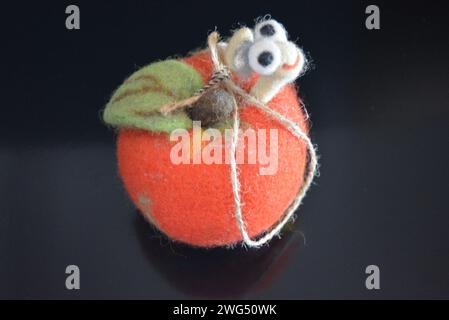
(214, 106)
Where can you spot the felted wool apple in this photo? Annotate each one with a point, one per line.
(193, 202)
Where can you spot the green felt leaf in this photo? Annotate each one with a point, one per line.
(136, 103)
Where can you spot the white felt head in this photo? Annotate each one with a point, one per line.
(265, 50)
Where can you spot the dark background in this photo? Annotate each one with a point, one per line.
(379, 106)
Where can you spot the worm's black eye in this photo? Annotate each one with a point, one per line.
(270, 29)
(264, 57)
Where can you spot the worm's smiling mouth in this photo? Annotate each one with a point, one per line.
(286, 66)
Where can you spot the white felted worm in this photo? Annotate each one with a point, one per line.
(265, 51)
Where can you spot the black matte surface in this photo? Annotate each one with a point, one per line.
(379, 105)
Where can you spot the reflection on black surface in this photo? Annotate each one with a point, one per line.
(218, 272)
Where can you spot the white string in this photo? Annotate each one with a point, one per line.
(311, 170)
